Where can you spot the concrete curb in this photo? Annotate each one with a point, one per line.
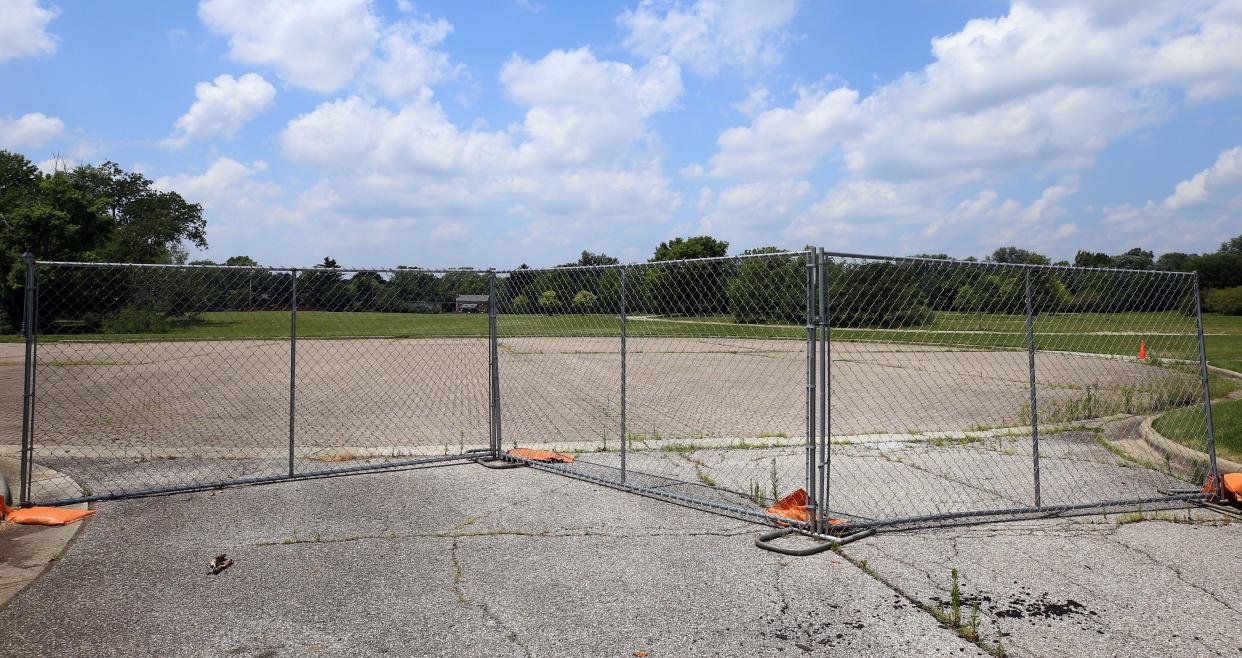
(1179, 452)
(26, 551)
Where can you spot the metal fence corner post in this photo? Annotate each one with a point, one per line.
(1034, 399)
(28, 332)
(812, 266)
(624, 349)
(1213, 469)
(825, 393)
(293, 368)
(493, 368)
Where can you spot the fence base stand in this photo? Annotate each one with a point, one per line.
(498, 463)
(766, 541)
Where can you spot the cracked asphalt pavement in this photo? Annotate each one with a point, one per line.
(459, 560)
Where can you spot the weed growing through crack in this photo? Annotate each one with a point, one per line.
(776, 487)
(955, 602)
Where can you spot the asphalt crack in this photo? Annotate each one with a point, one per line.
(459, 580)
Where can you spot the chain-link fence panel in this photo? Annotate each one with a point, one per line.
(883, 390)
(154, 378)
(962, 388)
(682, 379)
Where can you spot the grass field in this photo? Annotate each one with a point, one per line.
(1186, 427)
(1117, 333)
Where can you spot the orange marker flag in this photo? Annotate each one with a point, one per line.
(1142, 349)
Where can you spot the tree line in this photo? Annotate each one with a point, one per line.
(100, 213)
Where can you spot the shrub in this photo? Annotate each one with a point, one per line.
(549, 302)
(1223, 300)
(521, 303)
(585, 299)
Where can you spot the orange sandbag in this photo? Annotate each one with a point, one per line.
(793, 507)
(43, 515)
(1231, 486)
(541, 455)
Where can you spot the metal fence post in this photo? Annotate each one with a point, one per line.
(624, 347)
(825, 394)
(28, 331)
(1030, 355)
(493, 366)
(293, 368)
(1213, 471)
(812, 265)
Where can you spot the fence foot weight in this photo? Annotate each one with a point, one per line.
(767, 541)
(497, 463)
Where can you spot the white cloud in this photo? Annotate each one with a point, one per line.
(1220, 182)
(410, 59)
(1045, 86)
(710, 35)
(1198, 215)
(316, 44)
(29, 130)
(582, 156)
(221, 107)
(784, 142)
(226, 185)
(23, 29)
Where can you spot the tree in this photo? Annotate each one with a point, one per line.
(322, 290)
(1219, 270)
(768, 289)
(241, 261)
(1134, 259)
(700, 246)
(1014, 255)
(148, 226)
(1091, 259)
(588, 258)
(92, 213)
(1232, 246)
(1174, 261)
(688, 288)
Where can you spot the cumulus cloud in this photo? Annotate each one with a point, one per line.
(583, 153)
(410, 58)
(789, 141)
(225, 184)
(1220, 183)
(221, 107)
(315, 44)
(29, 130)
(710, 35)
(23, 29)
(1199, 214)
(1046, 85)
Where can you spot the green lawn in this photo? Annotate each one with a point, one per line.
(1187, 428)
(1082, 332)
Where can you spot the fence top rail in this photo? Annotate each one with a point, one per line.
(986, 263)
(662, 263)
(253, 268)
(659, 263)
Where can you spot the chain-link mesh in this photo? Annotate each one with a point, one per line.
(889, 390)
(714, 360)
(153, 378)
(962, 388)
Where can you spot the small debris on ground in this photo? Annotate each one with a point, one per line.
(220, 563)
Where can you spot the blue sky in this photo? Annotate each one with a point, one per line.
(448, 133)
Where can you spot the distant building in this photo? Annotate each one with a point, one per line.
(472, 304)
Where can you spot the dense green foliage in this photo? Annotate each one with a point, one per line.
(89, 213)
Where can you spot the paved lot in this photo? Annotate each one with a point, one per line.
(465, 561)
